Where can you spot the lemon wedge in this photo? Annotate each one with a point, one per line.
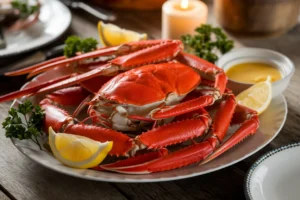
(258, 97)
(78, 151)
(111, 35)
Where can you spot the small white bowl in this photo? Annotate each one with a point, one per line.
(275, 176)
(244, 55)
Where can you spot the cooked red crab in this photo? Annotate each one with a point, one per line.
(151, 89)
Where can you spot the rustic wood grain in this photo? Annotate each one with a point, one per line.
(217, 185)
(148, 191)
(24, 179)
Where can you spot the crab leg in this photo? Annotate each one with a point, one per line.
(182, 108)
(63, 61)
(173, 133)
(138, 159)
(31, 68)
(183, 157)
(123, 63)
(206, 69)
(71, 96)
(103, 70)
(31, 90)
(248, 127)
(54, 116)
(122, 144)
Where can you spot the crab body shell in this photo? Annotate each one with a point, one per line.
(155, 85)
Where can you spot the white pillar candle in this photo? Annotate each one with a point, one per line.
(180, 17)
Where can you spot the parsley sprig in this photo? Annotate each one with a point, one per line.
(75, 44)
(24, 7)
(207, 43)
(31, 128)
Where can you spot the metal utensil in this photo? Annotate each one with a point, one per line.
(96, 11)
(34, 58)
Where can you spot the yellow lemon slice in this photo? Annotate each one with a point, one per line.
(111, 35)
(77, 151)
(258, 97)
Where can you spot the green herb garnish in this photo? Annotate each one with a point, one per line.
(31, 129)
(75, 44)
(207, 42)
(24, 7)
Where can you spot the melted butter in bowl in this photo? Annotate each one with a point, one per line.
(247, 66)
(253, 72)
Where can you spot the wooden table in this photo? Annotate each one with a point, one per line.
(20, 178)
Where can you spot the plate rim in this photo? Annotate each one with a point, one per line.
(258, 162)
(163, 179)
(50, 40)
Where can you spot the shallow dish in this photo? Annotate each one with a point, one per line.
(244, 55)
(275, 176)
(54, 19)
(272, 120)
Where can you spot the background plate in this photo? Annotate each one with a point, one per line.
(54, 20)
(266, 179)
(271, 122)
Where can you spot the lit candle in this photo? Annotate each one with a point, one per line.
(180, 17)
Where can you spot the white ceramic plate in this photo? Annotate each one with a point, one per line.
(271, 122)
(54, 20)
(276, 175)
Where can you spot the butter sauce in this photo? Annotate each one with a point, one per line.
(253, 72)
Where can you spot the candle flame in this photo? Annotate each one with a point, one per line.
(184, 4)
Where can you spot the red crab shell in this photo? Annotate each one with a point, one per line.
(151, 83)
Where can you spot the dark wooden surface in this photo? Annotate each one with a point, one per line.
(20, 178)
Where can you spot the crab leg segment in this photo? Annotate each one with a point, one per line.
(206, 69)
(122, 144)
(182, 108)
(31, 68)
(173, 133)
(223, 117)
(71, 96)
(136, 160)
(31, 90)
(196, 114)
(54, 116)
(183, 157)
(149, 55)
(248, 127)
(103, 70)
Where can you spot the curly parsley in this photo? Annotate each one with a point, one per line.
(31, 129)
(75, 44)
(207, 42)
(24, 7)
